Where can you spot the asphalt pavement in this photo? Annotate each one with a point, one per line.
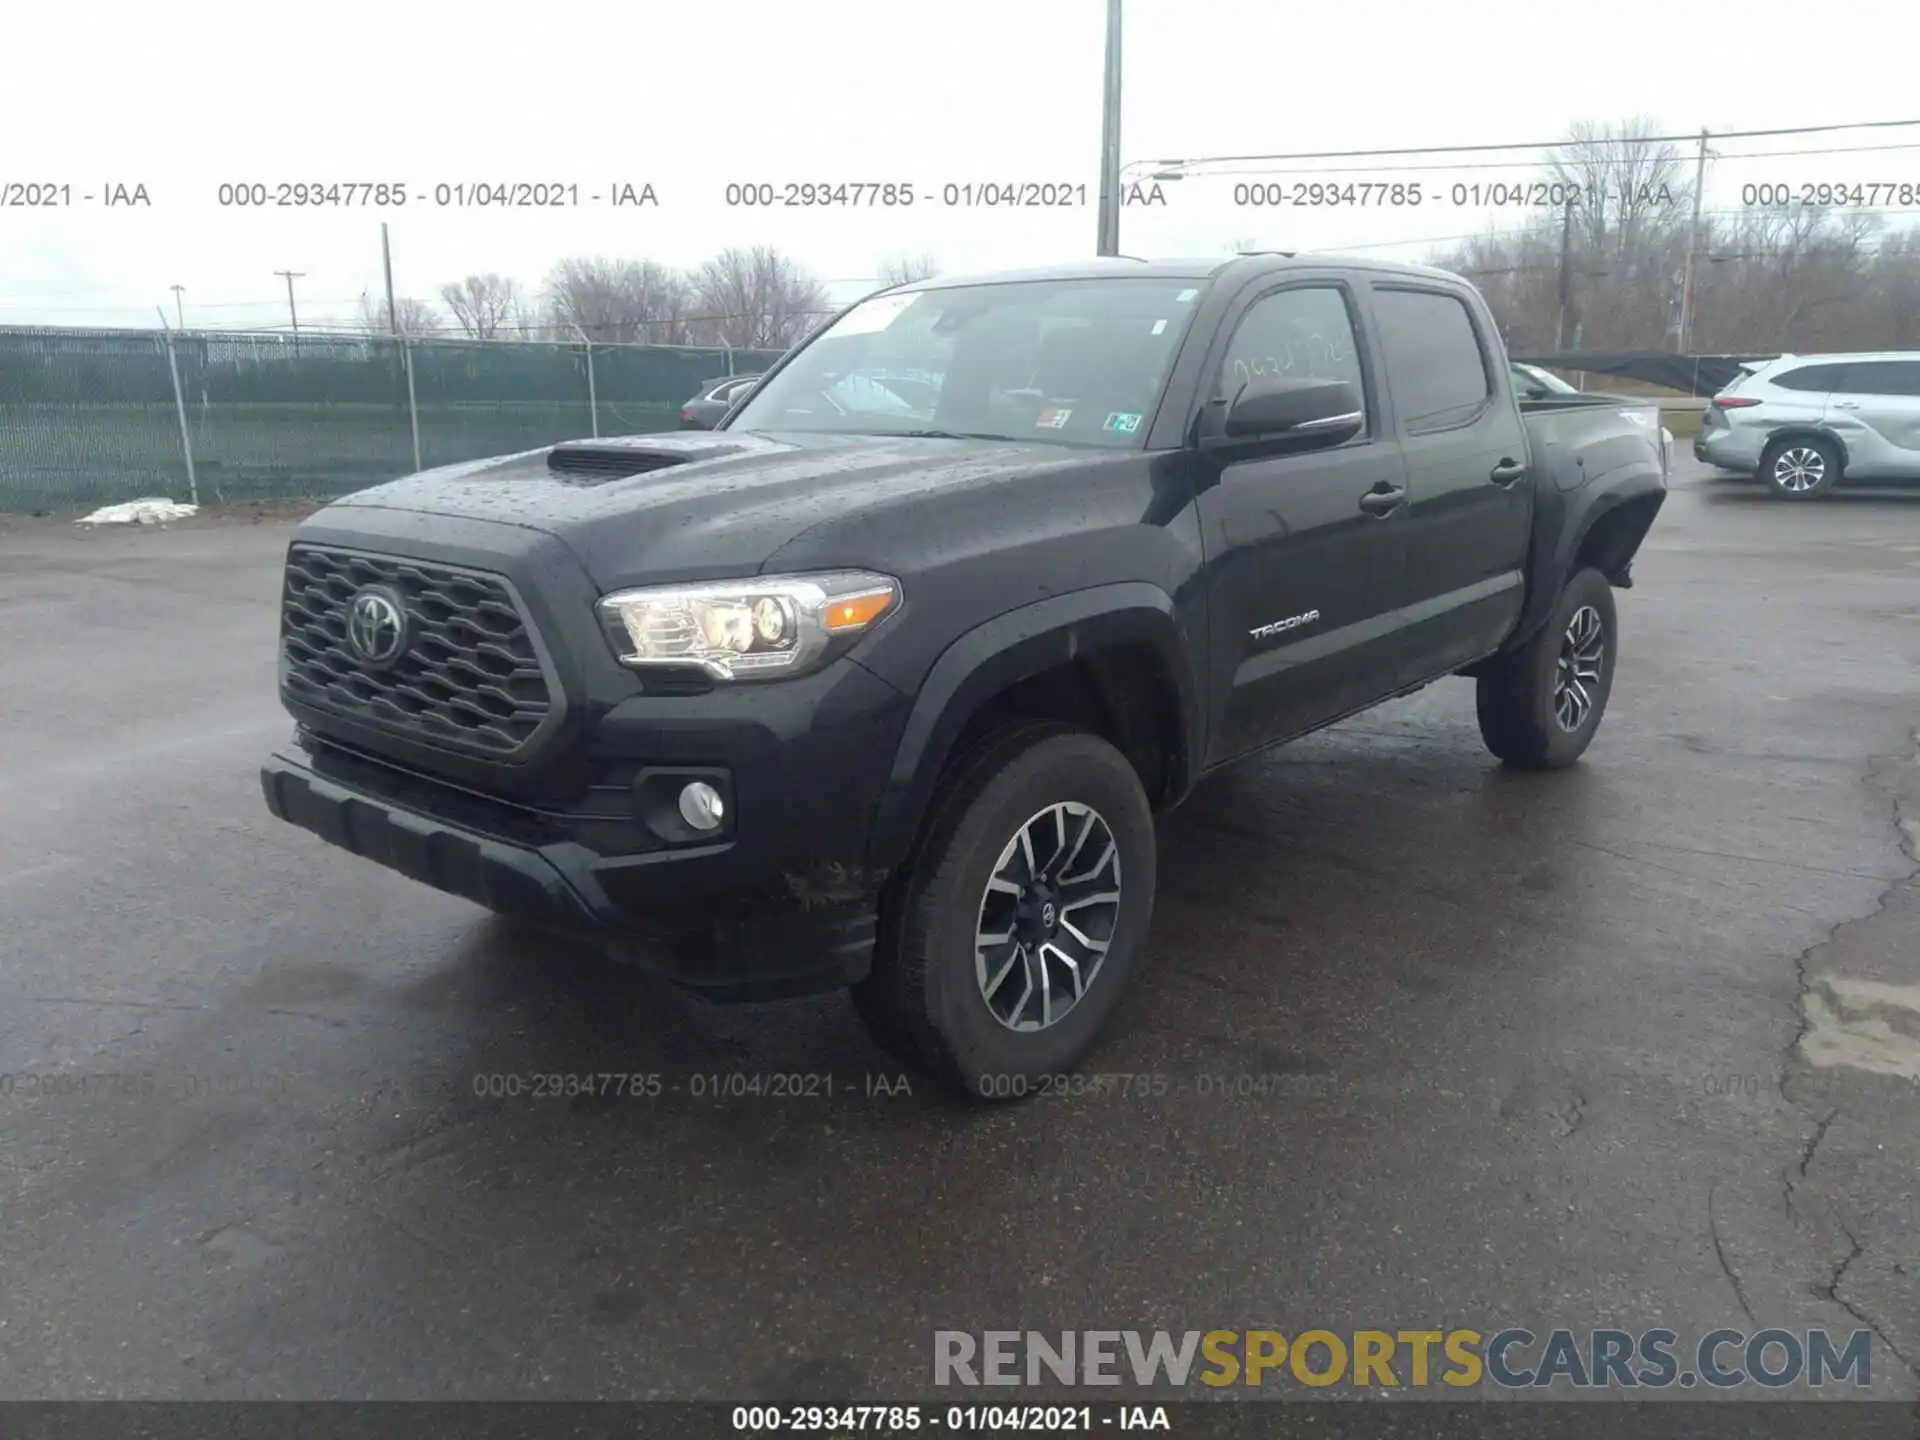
(1436, 1045)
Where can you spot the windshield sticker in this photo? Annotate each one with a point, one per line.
(876, 314)
(1052, 419)
(1159, 327)
(1185, 295)
(1124, 422)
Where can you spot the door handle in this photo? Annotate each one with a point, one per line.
(1507, 471)
(1846, 404)
(1383, 499)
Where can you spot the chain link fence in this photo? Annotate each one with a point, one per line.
(94, 417)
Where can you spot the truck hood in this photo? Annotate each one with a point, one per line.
(665, 508)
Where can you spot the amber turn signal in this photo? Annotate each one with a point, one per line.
(853, 612)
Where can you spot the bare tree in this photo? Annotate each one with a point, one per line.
(620, 301)
(1764, 281)
(1626, 183)
(486, 307)
(905, 269)
(411, 317)
(758, 299)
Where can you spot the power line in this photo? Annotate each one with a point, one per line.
(1474, 166)
(1562, 143)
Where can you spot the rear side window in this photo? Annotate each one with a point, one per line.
(1435, 367)
(1883, 377)
(1810, 377)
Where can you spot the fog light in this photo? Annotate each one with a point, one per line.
(701, 806)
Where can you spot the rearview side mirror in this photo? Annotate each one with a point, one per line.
(1295, 414)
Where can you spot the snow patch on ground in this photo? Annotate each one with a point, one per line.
(150, 511)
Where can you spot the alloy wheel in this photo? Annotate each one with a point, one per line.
(1583, 650)
(1048, 916)
(1799, 469)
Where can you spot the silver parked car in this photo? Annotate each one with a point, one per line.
(1805, 423)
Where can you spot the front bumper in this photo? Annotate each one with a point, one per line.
(684, 913)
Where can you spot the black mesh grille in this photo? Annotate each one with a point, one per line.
(469, 678)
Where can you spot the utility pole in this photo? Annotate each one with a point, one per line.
(1109, 243)
(178, 313)
(180, 405)
(1566, 276)
(386, 259)
(1685, 336)
(292, 314)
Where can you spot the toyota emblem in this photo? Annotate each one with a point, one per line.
(376, 626)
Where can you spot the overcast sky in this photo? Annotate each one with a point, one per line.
(687, 98)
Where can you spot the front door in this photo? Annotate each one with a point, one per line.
(1300, 548)
(1877, 416)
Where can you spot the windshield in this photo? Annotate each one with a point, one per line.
(1078, 362)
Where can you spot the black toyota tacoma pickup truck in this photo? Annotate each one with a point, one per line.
(880, 684)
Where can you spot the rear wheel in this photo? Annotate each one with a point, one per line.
(1007, 940)
(1802, 468)
(1540, 705)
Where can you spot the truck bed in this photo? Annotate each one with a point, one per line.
(1578, 439)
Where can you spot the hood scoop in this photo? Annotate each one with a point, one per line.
(595, 462)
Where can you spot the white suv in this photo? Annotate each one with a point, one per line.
(1803, 422)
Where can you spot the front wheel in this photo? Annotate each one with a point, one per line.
(1008, 939)
(1540, 705)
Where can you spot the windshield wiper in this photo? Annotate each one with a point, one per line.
(945, 435)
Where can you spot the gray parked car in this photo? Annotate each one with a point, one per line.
(716, 397)
(1805, 423)
(1530, 382)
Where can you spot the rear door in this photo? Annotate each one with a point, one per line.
(1470, 496)
(1301, 549)
(1876, 415)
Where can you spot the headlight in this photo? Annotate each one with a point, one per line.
(761, 628)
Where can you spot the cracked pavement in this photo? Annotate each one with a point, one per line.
(1622, 1046)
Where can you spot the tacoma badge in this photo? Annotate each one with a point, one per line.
(1280, 627)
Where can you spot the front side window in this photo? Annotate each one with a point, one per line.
(1435, 369)
(1884, 377)
(1065, 361)
(1302, 333)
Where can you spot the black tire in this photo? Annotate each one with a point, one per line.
(1522, 710)
(924, 999)
(1801, 467)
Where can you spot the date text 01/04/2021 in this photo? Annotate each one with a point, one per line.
(909, 1419)
(1468, 195)
(457, 195)
(707, 1085)
(901, 194)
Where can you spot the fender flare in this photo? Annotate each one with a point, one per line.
(1563, 528)
(1014, 646)
(1806, 431)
